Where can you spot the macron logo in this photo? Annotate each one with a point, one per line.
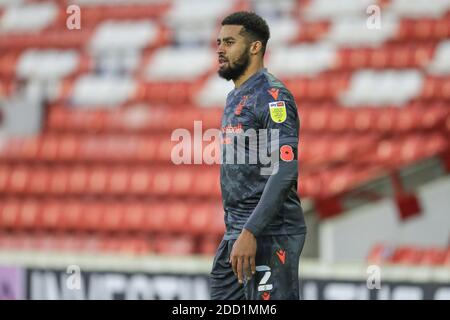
(282, 255)
(274, 93)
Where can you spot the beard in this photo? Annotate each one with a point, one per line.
(233, 72)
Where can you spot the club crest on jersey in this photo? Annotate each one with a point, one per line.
(278, 111)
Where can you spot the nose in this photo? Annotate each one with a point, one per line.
(220, 49)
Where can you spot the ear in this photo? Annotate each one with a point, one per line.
(255, 47)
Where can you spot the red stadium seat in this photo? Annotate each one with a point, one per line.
(134, 245)
(39, 182)
(309, 186)
(140, 181)
(57, 118)
(119, 181)
(342, 148)
(52, 216)
(146, 149)
(208, 245)
(379, 254)
(204, 182)
(112, 218)
(98, 181)
(78, 179)
(161, 182)
(4, 177)
(164, 149)
(9, 214)
(133, 216)
(385, 120)
(200, 219)
(19, 180)
(177, 217)
(155, 218)
(364, 119)
(93, 217)
(59, 182)
(407, 255)
(30, 215)
(316, 120)
(447, 257)
(433, 256)
(72, 217)
(340, 120)
(48, 148)
(174, 245)
(408, 120)
(183, 181)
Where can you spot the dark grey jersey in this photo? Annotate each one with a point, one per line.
(263, 203)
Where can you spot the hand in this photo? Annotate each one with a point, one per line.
(243, 254)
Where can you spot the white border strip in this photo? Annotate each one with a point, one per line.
(202, 265)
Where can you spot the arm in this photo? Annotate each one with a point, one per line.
(274, 194)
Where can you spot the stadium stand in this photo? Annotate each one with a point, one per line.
(99, 176)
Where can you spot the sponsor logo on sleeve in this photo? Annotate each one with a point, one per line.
(278, 111)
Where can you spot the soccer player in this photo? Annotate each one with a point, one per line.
(258, 257)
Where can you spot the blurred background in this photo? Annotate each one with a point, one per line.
(91, 90)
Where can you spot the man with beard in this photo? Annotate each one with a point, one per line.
(258, 257)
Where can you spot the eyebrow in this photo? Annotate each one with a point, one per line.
(226, 39)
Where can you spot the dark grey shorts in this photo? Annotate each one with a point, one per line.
(276, 278)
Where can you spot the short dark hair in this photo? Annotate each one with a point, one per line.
(254, 27)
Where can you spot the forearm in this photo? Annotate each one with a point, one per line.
(274, 194)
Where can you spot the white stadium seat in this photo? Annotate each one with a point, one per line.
(441, 61)
(93, 90)
(274, 8)
(47, 64)
(29, 17)
(116, 2)
(301, 60)
(196, 21)
(123, 35)
(282, 31)
(419, 8)
(369, 87)
(178, 64)
(184, 12)
(118, 62)
(326, 9)
(214, 92)
(355, 32)
(7, 3)
(198, 33)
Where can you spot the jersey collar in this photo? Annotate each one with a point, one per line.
(249, 81)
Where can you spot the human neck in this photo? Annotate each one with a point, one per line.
(251, 70)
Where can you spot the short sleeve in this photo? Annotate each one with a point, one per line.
(277, 110)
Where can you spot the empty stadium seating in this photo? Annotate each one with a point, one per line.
(409, 255)
(99, 176)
